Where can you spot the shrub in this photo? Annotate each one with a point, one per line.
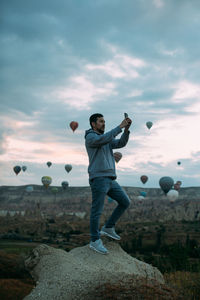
(14, 289)
(187, 283)
(135, 289)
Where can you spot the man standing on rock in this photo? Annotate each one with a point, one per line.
(102, 177)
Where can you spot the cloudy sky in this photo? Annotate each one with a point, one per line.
(64, 60)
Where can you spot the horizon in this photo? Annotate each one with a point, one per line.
(87, 186)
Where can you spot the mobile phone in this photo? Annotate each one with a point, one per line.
(125, 115)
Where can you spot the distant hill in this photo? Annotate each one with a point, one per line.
(77, 200)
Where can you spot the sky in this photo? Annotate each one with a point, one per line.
(64, 60)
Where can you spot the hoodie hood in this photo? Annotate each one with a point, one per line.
(89, 131)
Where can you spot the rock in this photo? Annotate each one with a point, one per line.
(62, 275)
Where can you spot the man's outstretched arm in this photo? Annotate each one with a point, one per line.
(96, 140)
(119, 143)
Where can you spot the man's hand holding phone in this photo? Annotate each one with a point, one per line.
(126, 123)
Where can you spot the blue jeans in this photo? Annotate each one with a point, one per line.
(102, 186)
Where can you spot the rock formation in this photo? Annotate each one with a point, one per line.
(62, 275)
(76, 201)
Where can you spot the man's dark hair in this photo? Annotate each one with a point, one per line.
(94, 117)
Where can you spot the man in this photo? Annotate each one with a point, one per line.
(102, 177)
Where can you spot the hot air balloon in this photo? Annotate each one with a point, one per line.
(29, 189)
(17, 169)
(142, 193)
(144, 179)
(178, 163)
(46, 180)
(65, 184)
(179, 182)
(149, 124)
(166, 184)
(54, 190)
(49, 164)
(74, 125)
(177, 185)
(172, 195)
(117, 156)
(24, 168)
(68, 168)
(140, 198)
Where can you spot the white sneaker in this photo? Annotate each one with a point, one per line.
(110, 232)
(98, 247)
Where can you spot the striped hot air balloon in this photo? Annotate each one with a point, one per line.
(46, 180)
(117, 156)
(166, 183)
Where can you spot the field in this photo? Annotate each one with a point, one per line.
(173, 248)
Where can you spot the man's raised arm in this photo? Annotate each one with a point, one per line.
(95, 140)
(119, 143)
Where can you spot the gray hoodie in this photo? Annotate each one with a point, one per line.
(99, 148)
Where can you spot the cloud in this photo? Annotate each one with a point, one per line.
(186, 90)
(166, 141)
(39, 151)
(81, 92)
(3, 145)
(122, 66)
(62, 62)
(134, 93)
(158, 3)
(20, 144)
(173, 53)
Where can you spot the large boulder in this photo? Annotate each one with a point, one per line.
(62, 275)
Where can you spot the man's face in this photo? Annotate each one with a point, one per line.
(99, 125)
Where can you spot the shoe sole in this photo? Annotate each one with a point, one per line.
(91, 247)
(107, 234)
